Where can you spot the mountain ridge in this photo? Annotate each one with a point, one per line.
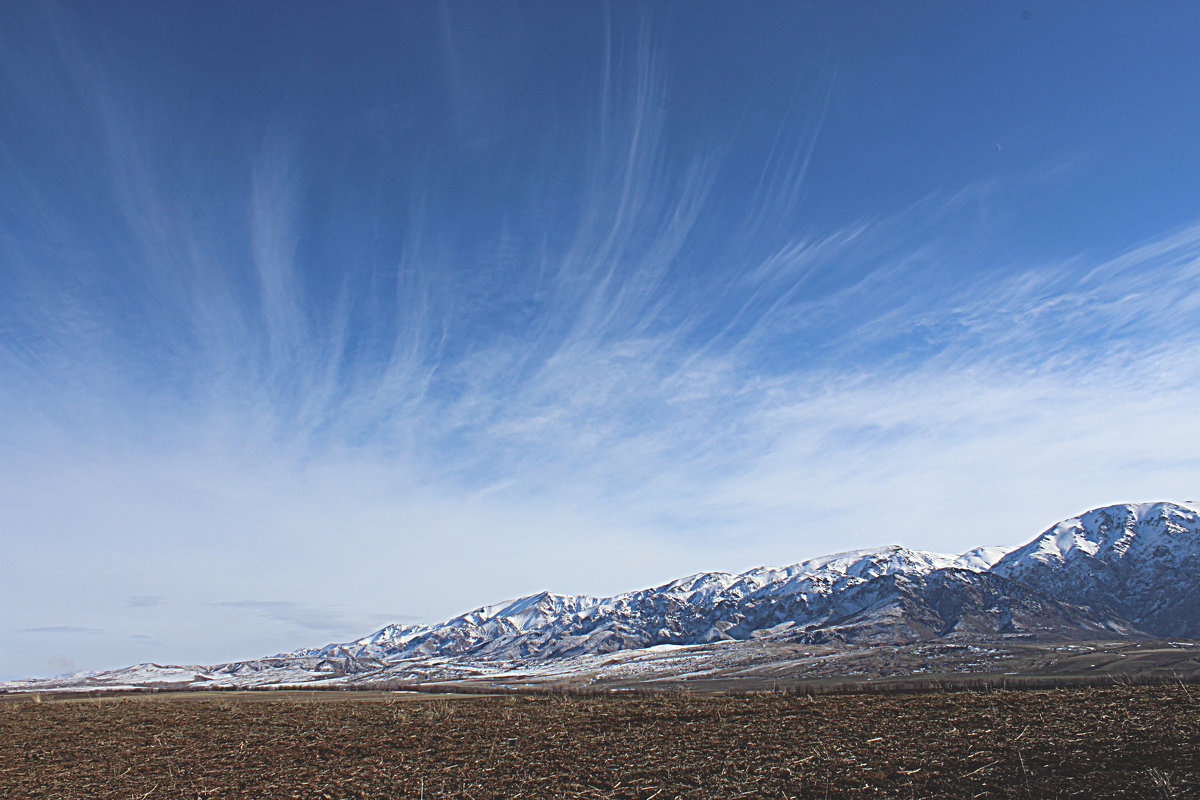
(1124, 571)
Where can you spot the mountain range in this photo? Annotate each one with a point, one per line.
(1124, 573)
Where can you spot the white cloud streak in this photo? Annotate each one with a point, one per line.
(619, 401)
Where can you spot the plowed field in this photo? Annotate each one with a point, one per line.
(1095, 742)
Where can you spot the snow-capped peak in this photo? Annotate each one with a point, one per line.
(1111, 533)
(982, 559)
(1142, 560)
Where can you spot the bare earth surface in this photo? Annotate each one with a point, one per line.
(1093, 742)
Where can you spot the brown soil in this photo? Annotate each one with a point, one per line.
(1095, 742)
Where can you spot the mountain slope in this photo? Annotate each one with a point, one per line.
(955, 603)
(1139, 561)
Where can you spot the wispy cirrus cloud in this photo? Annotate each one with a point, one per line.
(585, 350)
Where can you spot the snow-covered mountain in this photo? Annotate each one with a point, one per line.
(1140, 561)
(1113, 572)
(766, 602)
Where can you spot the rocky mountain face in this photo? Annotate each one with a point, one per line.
(1141, 562)
(1124, 571)
(956, 604)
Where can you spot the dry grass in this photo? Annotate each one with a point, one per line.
(1119, 741)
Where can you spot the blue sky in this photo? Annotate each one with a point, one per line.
(316, 317)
